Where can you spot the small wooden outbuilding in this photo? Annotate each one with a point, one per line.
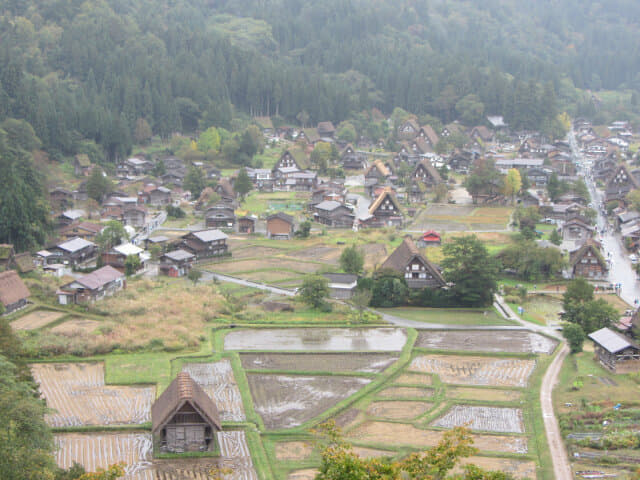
(184, 418)
(615, 351)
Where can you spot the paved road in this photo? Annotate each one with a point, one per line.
(210, 277)
(620, 268)
(561, 465)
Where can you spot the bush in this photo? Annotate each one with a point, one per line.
(512, 299)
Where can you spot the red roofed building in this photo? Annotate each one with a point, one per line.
(430, 237)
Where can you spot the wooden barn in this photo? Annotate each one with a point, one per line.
(615, 351)
(184, 418)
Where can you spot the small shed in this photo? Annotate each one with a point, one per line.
(341, 285)
(184, 418)
(429, 238)
(615, 351)
(280, 226)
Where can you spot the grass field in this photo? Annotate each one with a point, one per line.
(467, 218)
(447, 316)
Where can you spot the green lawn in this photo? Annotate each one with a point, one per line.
(449, 316)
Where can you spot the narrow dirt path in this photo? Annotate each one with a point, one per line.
(561, 465)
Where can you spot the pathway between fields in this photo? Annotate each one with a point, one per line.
(211, 276)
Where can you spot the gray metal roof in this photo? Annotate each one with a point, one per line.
(329, 205)
(178, 255)
(210, 235)
(75, 245)
(611, 341)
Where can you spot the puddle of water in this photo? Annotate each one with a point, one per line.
(318, 339)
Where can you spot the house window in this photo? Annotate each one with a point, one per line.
(415, 266)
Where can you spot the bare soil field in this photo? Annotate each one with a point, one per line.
(484, 394)
(236, 267)
(463, 370)
(36, 319)
(406, 392)
(305, 474)
(348, 418)
(489, 419)
(77, 393)
(518, 468)
(293, 450)
(317, 339)
(372, 452)
(463, 218)
(398, 410)
(76, 326)
(414, 379)
(396, 434)
(322, 254)
(218, 381)
(286, 401)
(242, 251)
(135, 450)
(308, 362)
(271, 277)
(512, 341)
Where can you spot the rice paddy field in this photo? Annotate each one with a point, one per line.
(391, 391)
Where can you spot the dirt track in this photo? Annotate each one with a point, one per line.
(561, 466)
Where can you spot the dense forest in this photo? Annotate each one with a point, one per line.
(84, 72)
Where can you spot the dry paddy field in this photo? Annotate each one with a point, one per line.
(483, 394)
(76, 326)
(135, 449)
(218, 381)
(520, 469)
(398, 410)
(402, 434)
(464, 370)
(487, 419)
(275, 263)
(406, 392)
(317, 339)
(414, 379)
(36, 319)
(77, 393)
(286, 401)
(324, 362)
(512, 341)
(293, 450)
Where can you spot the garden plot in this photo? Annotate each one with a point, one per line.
(37, 319)
(512, 341)
(399, 410)
(264, 263)
(500, 372)
(414, 379)
(218, 381)
(326, 362)
(489, 419)
(286, 401)
(77, 393)
(401, 434)
(94, 451)
(318, 254)
(317, 339)
(242, 251)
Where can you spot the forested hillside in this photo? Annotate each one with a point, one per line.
(82, 73)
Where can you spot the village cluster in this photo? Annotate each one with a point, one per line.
(392, 390)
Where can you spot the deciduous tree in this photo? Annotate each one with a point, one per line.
(314, 290)
(352, 260)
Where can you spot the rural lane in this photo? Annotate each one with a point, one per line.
(208, 276)
(561, 465)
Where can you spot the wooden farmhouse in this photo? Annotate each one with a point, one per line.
(577, 230)
(429, 135)
(75, 251)
(85, 230)
(176, 263)
(385, 210)
(13, 292)
(408, 130)
(91, 287)
(184, 418)
(351, 159)
(426, 173)
(620, 184)
(417, 270)
(588, 262)
(615, 351)
(280, 226)
(205, 244)
(220, 215)
(289, 161)
(333, 214)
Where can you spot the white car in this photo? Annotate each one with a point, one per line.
(634, 258)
